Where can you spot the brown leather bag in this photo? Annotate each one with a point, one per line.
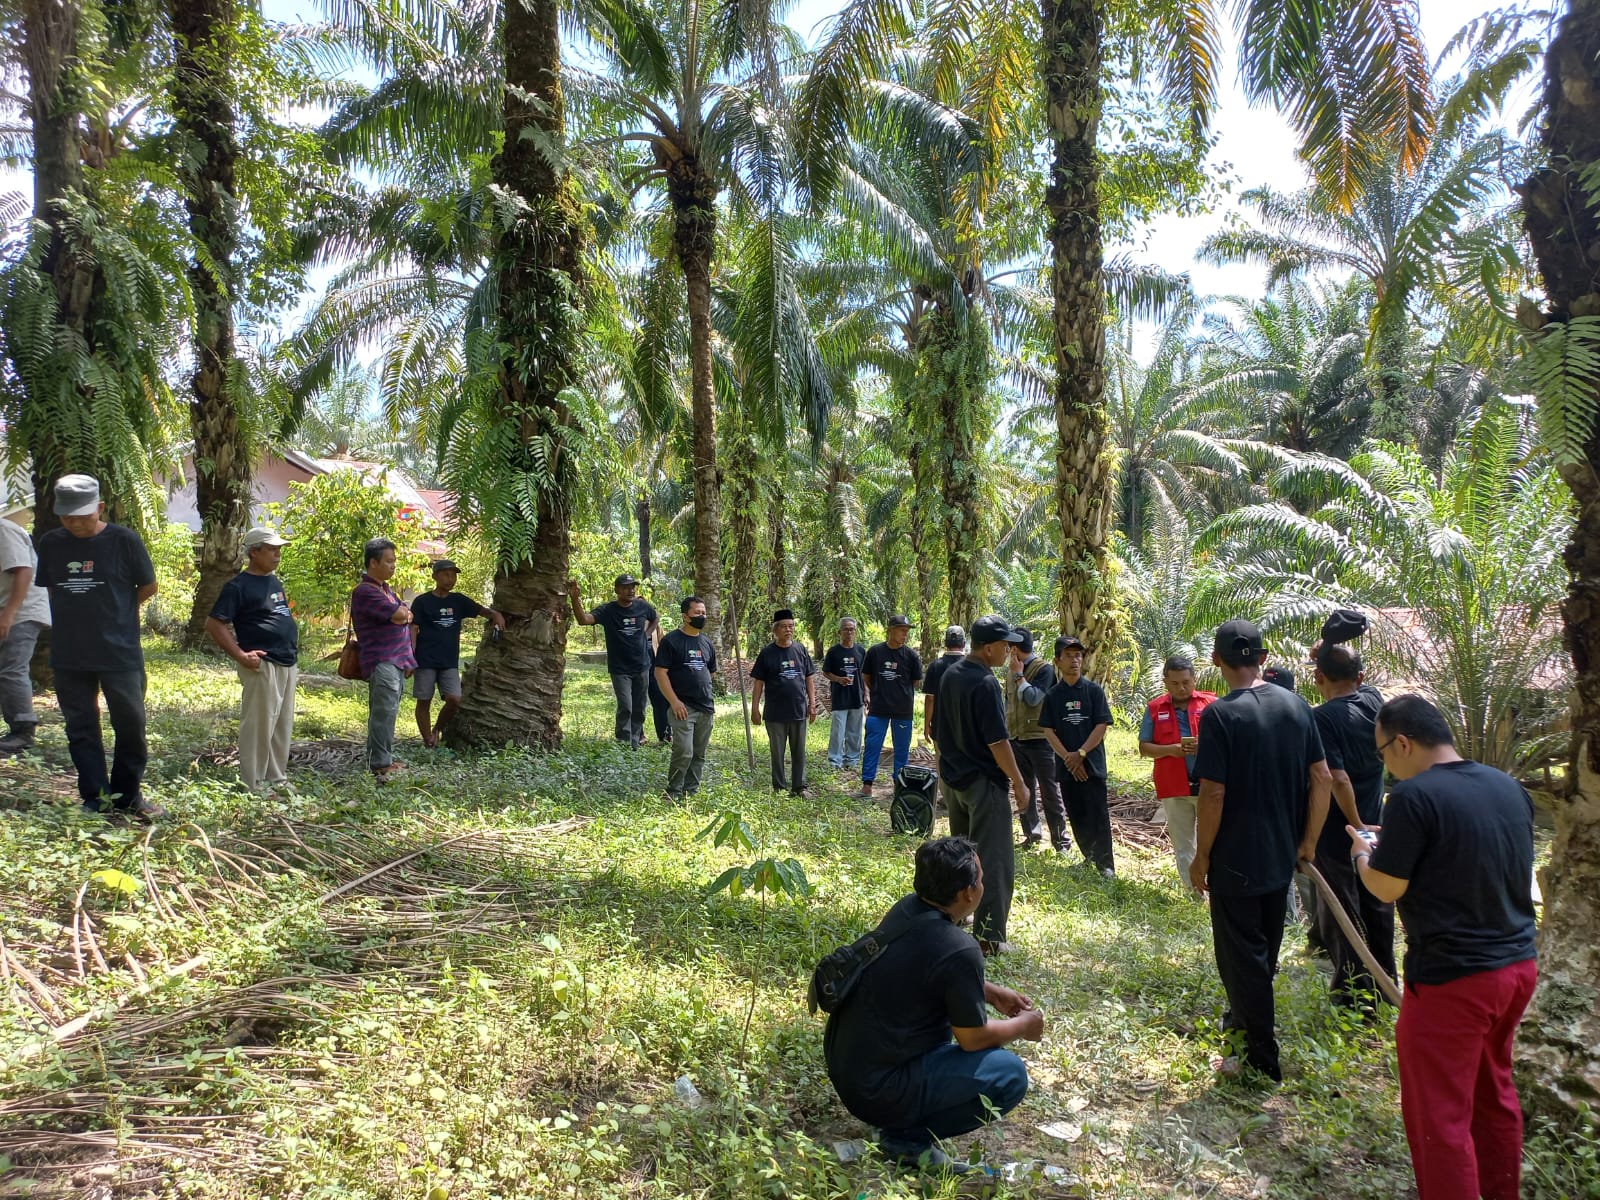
(350, 655)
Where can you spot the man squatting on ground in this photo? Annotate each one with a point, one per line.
(251, 623)
(631, 626)
(980, 772)
(888, 1047)
(1456, 853)
(1263, 798)
(785, 676)
(98, 575)
(436, 618)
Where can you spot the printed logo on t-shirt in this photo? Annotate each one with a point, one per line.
(789, 669)
(891, 671)
(446, 618)
(696, 660)
(80, 578)
(278, 602)
(1072, 711)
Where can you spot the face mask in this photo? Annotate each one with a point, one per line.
(697, 622)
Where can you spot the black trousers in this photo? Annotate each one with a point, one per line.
(1246, 932)
(78, 694)
(790, 734)
(1372, 918)
(1090, 816)
(982, 812)
(1037, 762)
(660, 710)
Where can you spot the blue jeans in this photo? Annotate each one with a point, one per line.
(956, 1083)
(900, 727)
(844, 739)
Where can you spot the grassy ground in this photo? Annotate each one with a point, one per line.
(273, 1013)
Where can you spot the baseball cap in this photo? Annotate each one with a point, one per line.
(444, 564)
(1282, 676)
(954, 637)
(899, 619)
(263, 535)
(1070, 641)
(988, 630)
(1343, 625)
(1239, 643)
(77, 496)
(625, 580)
(1025, 643)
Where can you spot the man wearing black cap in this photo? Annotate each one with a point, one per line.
(892, 671)
(785, 676)
(955, 649)
(1075, 718)
(980, 772)
(436, 620)
(630, 626)
(97, 576)
(1028, 680)
(1263, 798)
(1347, 719)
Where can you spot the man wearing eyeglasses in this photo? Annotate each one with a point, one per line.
(1456, 854)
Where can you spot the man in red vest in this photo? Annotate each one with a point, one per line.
(1170, 734)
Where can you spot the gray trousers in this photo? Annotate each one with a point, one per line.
(16, 689)
(633, 697)
(790, 734)
(385, 686)
(982, 812)
(690, 737)
(844, 736)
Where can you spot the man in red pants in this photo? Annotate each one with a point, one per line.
(1456, 853)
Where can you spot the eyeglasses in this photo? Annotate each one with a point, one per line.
(1386, 745)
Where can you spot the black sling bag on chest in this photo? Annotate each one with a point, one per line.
(836, 976)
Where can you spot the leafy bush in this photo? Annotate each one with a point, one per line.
(172, 552)
(329, 520)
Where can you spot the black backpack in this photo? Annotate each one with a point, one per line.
(911, 810)
(836, 976)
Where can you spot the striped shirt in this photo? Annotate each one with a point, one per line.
(380, 640)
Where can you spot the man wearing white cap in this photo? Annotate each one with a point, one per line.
(264, 641)
(98, 575)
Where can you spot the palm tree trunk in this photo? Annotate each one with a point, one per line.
(922, 508)
(694, 196)
(958, 350)
(641, 518)
(739, 448)
(513, 691)
(1560, 1039)
(50, 47)
(777, 530)
(1084, 499)
(1394, 417)
(223, 466)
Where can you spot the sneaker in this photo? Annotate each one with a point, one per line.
(990, 949)
(1107, 873)
(1063, 850)
(1030, 840)
(866, 790)
(801, 793)
(931, 1161)
(144, 810)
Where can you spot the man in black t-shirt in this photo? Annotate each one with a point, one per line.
(1263, 798)
(1345, 720)
(979, 770)
(892, 670)
(784, 675)
(252, 623)
(955, 649)
(846, 698)
(436, 618)
(1075, 718)
(888, 1046)
(1456, 853)
(98, 575)
(631, 626)
(685, 662)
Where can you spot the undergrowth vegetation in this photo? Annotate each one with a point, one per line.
(489, 981)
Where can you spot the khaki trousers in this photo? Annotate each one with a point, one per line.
(266, 722)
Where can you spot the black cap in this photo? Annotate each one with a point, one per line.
(955, 637)
(1239, 643)
(1070, 641)
(1282, 676)
(444, 564)
(988, 630)
(1343, 625)
(899, 619)
(783, 614)
(1025, 643)
(625, 580)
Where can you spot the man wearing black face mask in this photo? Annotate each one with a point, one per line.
(685, 662)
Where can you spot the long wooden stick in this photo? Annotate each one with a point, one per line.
(738, 662)
(1391, 993)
